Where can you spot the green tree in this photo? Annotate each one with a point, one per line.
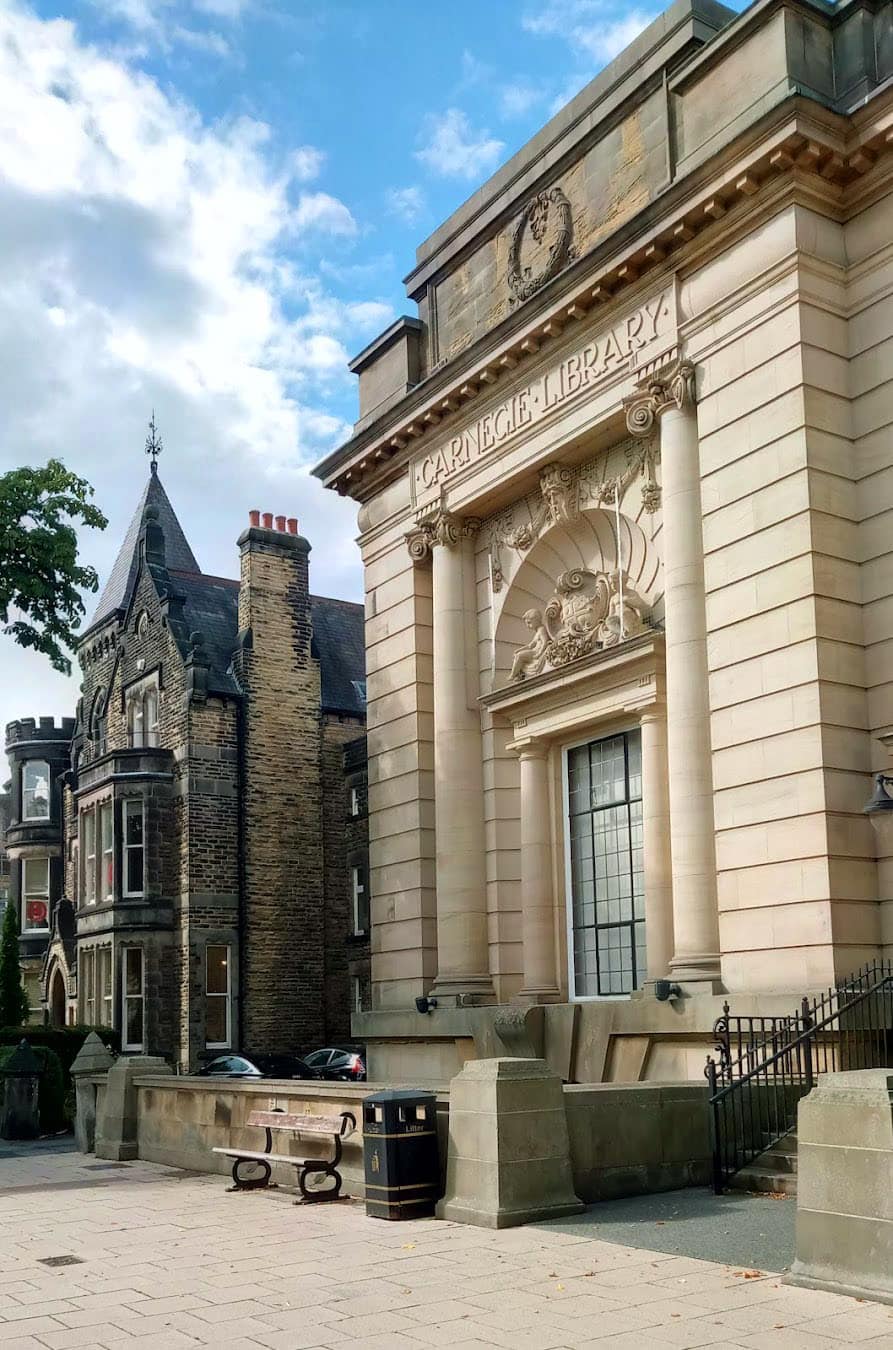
(40, 576)
(13, 999)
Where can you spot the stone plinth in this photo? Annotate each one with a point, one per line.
(509, 1154)
(845, 1185)
(117, 1127)
(93, 1058)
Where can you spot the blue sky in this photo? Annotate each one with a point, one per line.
(208, 206)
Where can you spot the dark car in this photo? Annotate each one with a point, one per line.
(347, 1066)
(257, 1066)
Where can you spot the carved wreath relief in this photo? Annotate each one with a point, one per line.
(590, 611)
(548, 214)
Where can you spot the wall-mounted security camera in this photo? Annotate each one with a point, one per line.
(665, 992)
(425, 1005)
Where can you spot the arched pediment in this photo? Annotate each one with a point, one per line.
(568, 577)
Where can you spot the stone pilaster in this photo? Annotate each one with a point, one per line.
(462, 946)
(668, 400)
(537, 908)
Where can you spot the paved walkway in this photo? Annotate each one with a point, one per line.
(170, 1260)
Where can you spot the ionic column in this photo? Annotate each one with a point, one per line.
(537, 909)
(670, 398)
(656, 860)
(461, 879)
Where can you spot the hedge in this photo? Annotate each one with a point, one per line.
(64, 1041)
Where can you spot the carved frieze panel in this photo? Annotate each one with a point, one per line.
(542, 243)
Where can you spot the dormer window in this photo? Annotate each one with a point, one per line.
(36, 790)
(142, 714)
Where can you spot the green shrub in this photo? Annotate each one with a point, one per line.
(50, 1090)
(64, 1041)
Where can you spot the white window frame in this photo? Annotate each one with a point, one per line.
(105, 990)
(88, 828)
(126, 811)
(87, 984)
(599, 734)
(227, 996)
(354, 802)
(142, 713)
(358, 888)
(357, 994)
(126, 998)
(30, 792)
(106, 888)
(27, 893)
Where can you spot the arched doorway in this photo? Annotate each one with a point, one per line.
(57, 1000)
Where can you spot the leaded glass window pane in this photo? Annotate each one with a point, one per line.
(607, 891)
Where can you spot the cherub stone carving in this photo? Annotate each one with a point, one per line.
(531, 659)
(634, 611)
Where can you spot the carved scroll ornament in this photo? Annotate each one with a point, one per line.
(674, 388)
(440, 529)
(589, 611)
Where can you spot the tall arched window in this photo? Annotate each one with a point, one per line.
(142, 716)
(98, 723)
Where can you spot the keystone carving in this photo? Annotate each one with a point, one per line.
(589, 611)
(548, 210)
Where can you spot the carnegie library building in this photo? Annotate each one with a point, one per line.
(625, 492)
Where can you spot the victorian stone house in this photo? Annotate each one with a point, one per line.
(624, 485)
(190, 855)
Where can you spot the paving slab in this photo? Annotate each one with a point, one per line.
(172, 1260)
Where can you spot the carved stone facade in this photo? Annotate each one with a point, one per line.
(623, 730)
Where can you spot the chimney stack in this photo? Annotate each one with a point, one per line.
(280, 524)
(292, 525)
(254, 518)
(268, 520)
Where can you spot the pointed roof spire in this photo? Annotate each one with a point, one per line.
(154, 444)
(177, 553)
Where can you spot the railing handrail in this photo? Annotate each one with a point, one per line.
(804, 1015)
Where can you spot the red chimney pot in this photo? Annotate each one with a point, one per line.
(268, 520)
(292, 525)
(254, 517)
(280, 524)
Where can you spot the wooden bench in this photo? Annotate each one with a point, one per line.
(335, 1128)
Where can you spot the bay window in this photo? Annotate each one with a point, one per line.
(35, 895)
(35, 790)
(218, 998)
(132, 998)
(134, 845)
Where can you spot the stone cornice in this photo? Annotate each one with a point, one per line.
(800, 145)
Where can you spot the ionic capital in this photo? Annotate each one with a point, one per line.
(672, 388)
(440, 529)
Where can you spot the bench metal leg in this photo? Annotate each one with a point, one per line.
(324, 1169)
(250, 1183)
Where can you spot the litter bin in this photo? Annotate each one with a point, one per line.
(400, 1154)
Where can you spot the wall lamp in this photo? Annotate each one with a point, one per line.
(879, 807)
(426, 1005)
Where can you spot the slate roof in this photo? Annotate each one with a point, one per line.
(212, 608)
(178, 554)
(339, 644)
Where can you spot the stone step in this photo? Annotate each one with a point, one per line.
(764, 1179)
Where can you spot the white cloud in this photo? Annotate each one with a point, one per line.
(407, 203)
(147, 264)
(518, 98)
(319, 211)
(455, 150)
(307, 162)
(595, 30)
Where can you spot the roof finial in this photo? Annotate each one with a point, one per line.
(154, 445)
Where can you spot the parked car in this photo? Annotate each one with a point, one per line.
(257, 1066)
(346, 1066)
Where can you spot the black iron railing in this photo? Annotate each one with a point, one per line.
(764, 1065)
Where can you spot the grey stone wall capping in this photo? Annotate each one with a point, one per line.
(670, 35)
(374, 349)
